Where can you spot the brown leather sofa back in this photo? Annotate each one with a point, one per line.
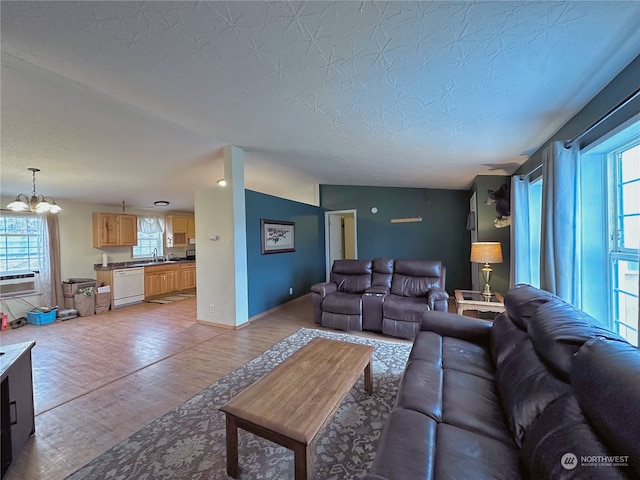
(351, 276)
(382, 272)
(414, 278)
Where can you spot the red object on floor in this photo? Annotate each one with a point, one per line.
(4, 321)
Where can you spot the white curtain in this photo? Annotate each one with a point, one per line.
(150, 224)
(520, 232)
(560, 246)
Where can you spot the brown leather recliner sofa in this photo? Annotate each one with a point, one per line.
(380, 295)
(543, 392)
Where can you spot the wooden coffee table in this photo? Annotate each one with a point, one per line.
(291, 404)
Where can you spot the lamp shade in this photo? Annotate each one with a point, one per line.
(486, 252)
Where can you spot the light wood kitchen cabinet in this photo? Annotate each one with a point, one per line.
(161, 279)
(177, 230)
(191, 228)
(187, 276)
(114, 230)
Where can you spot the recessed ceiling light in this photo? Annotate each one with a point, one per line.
(161, 203)
(222, 182)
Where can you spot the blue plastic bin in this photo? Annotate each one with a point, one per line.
(42, 318)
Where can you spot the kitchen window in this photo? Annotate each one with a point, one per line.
(21, 243)
(150, 236)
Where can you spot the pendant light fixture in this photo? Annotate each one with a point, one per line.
(35, 203)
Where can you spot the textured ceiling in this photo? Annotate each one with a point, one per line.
(132, 101)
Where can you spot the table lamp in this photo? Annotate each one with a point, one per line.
(486, 252)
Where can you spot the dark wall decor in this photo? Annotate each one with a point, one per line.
(278, 236)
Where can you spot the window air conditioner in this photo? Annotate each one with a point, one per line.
(13, 284)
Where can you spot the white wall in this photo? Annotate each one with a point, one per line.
(221, 264)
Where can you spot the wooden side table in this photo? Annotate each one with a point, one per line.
(474, 300)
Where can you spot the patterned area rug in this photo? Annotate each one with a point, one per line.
(171, 298)
(189, 441)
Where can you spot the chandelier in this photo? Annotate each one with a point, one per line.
(35, 203)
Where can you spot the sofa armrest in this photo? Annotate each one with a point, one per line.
(453, 325)
(377, 290)
(324, 289)
(438, 299)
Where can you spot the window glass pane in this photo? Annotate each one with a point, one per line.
(147, 242)
(631, 198)
(626, 298)
(630, 164)
(20, 243)
(631, 232)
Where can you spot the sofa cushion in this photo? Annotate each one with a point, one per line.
(400, 328)
(427, 346)
(606, 379)
(344, 303)
(523, 300)
(421, 389)
(472, 403)
(351, 276)
(382, 269)
(463, 395)
(463, 454)
(526, 388)
(467, 357)
(562, 428)
(407, 309)
(340, 321)
(505, 337)
(557, 332)
(414, 278)
(406, 448)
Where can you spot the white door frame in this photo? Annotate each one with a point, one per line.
(338, 213)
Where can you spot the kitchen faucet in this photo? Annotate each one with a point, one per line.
(155, 254)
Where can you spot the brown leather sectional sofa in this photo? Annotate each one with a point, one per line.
(380, 295)
(543, 392)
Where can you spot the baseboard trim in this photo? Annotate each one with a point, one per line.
(254, 318)
(277, 307)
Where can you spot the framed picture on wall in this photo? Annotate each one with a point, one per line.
(277, 236)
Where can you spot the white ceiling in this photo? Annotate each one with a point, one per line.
(132, 101)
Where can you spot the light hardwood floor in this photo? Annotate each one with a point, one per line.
(99, 379)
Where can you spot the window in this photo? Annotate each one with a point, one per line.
(535, 226)
(147, 242)
(21, 243)
(624, 228)
(150, 236)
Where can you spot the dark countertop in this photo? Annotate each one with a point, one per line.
(11, 353)
(140, 263)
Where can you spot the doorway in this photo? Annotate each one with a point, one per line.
(341, 239)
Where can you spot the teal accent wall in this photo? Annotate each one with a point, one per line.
(441, 235)
(487, 232)
(271, 276)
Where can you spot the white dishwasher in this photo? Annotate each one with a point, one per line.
(128, 286)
